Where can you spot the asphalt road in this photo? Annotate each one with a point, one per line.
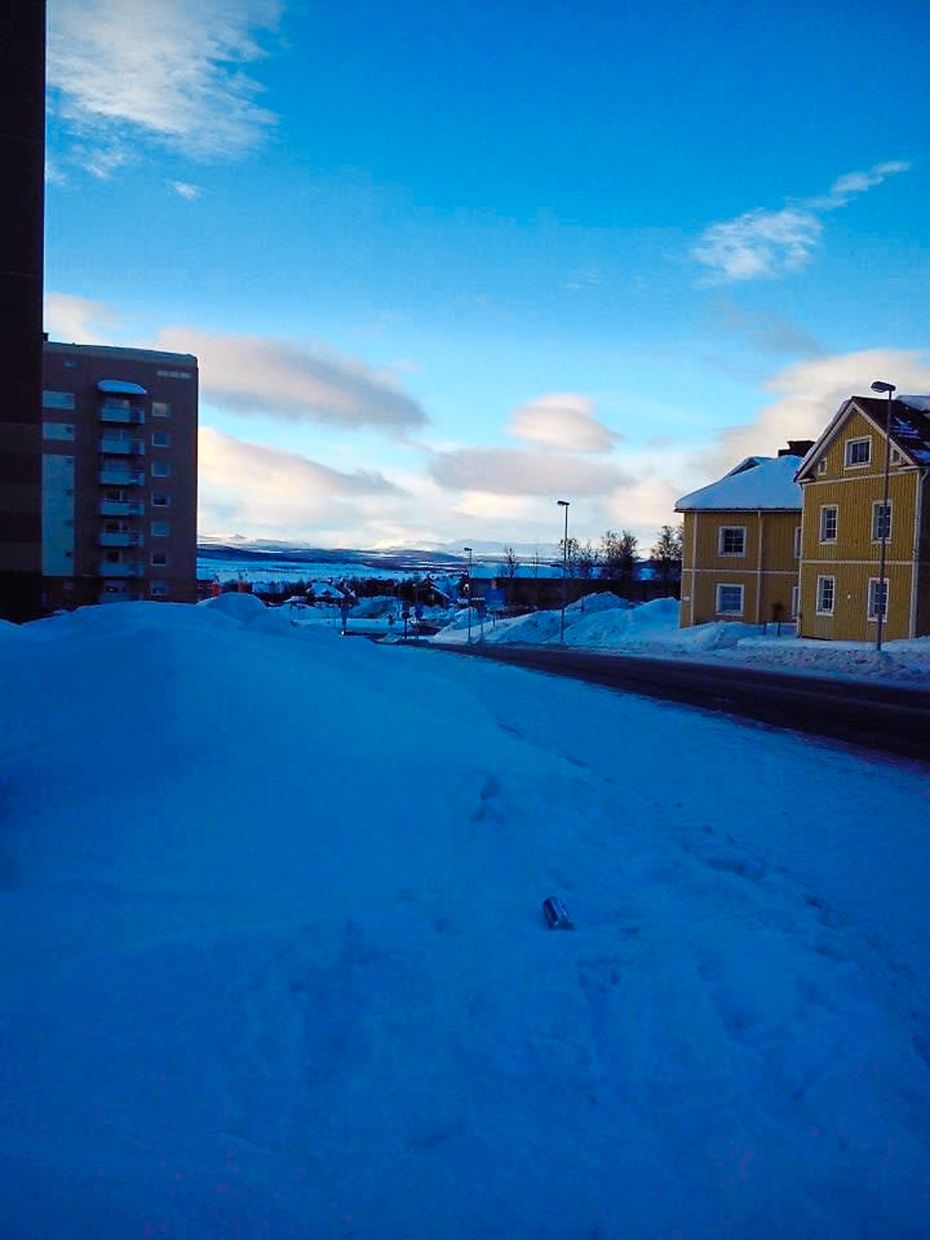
(891, 719)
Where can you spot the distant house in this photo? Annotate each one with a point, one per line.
(842, 480)
(742, 540)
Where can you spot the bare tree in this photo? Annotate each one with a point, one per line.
(588, 557)
(666, 554)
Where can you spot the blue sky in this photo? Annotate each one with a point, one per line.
(443, 264)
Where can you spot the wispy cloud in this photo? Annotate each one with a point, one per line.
(79, 319)
(565, 422)
(259, 375)
(166, 70)
(764, 244)
(184, 189)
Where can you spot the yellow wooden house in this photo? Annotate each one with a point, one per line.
(742, 542)
(842, 481)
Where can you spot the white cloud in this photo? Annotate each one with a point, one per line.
(808, 394)
(184, 189)
(168, 70)
(763, 244)
(518, 471)
(257, 375)
(565, 421)
(79, 319)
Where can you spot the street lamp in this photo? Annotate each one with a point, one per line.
(564, 503)
(468, 588)
(882, 600)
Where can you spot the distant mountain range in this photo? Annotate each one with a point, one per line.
(436, 555)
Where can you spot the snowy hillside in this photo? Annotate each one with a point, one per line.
(275, 966)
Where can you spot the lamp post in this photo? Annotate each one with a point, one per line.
(468, 588)
(564, 503)
(882, 600)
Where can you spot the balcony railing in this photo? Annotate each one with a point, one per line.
(120, 413)
(120, 538)
(121, 476)
(121, 446)
(124, 569)
(121, 508)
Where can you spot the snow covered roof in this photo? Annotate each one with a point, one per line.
(909, 426)
(757, 482)
(121, 387)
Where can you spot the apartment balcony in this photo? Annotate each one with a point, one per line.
(126, 569)
(121, 476)
(120, 538)
(119, 445)
(121, 414)
(119, 508)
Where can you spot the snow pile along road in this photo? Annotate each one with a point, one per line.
(275, 966)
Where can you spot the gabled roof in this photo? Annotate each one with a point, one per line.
(908, 430)
(758, 482)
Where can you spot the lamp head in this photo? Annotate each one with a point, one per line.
(880, 386)
(563, 503)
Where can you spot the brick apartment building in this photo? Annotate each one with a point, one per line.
(119, 475)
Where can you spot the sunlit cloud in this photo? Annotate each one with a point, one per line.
(79, 319)
(766, 244)
(169, 71)
(565, 421)
(517, 471)
(184, 189)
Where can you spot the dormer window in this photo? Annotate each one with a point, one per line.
(858, 452)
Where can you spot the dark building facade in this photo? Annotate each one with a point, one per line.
(22, 176)
(119, 475)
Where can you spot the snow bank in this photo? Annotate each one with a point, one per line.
(242, 606)
(274, 963)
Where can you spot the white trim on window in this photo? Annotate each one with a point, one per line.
(824, 509)
(730, 611)
(797, 542)
(722, 540)
(849, 451)
(876, 531)
(822, 465)
(795, 601)
(822, 592)
(871, 611)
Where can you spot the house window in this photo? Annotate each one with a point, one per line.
(878, 598)
(57, 400)
(732, 540)
(881, 521)
(160, 499)
(161, 409)
(797, 542)
(822, 466)
(829, 520)
(896, 457)
(729, 600)
(161, 469)
(795, 601)
(858, 452)
(161, 529)
(159, 559)
(161, 439)
(826, 593)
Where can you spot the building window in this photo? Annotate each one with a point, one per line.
(797, 542)
(732, 540)
(70, 363)
(729, 600)
(896, 457)
(161, 409)
(161, 439)
(881, 521)
(58, 400)
(161, 469)
(58, 430)
(173, 374)
(826, 593)
(822, 466)
(829, 522)
(161, 529)
(160, 499)
(159, 559)
(158, 589)
(795, 601)
(878, 598)
(858, 452)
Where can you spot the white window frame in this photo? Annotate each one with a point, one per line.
(163, 532)
(822, 465)
(797, 542)
(823, 611)
(825, 508)
(871, 598)
(166, 435)
(847, 452)
(159, 499)
(157, 562)
(795, 601)
(728, 529)
(876, 504)
(161, 469)
(729, 585)
(161, 409)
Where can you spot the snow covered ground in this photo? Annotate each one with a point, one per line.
(607, 623)
(274, 962)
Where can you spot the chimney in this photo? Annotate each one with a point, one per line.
(797, 447)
